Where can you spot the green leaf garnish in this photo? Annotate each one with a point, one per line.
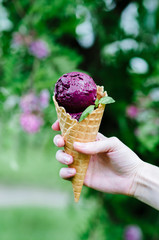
(106, 100)
(96, 102)
(87, 111)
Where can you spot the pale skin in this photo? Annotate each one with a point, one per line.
(113, 168)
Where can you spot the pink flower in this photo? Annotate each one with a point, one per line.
(132, 232)
(44, 98)
(132, 111)
(29, 103)
(30, 122)
(31, 106)
(39, 49)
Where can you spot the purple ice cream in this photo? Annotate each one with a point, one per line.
(76, 115)
(75, 91)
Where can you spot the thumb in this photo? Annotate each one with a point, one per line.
(108, 145)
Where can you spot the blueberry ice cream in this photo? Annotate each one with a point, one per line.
(75, 91)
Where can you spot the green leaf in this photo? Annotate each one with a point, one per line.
(96, 102)
(86, 112)
(106, 100)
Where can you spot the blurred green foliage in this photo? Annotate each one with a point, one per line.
(117, 43)
(39, 223)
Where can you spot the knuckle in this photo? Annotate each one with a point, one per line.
(115, 141)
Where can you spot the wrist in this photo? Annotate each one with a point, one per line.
(146, 185)
(137, 176)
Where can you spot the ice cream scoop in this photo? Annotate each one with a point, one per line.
(75, 91)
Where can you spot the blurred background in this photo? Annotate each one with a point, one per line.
(117, 43)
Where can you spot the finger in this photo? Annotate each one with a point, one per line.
(100, 136)
(56, 126)
(59, 141)
(108, 145)
(67, 172)
(64, 157)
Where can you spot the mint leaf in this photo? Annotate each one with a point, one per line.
(106, 100)
(87, 111)
(96, 102)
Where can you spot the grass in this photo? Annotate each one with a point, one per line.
(43, 223)
(30, 160)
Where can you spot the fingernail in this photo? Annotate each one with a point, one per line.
(71, 171)
(56, 140)
(67, 159)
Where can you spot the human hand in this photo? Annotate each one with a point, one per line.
(113, 166)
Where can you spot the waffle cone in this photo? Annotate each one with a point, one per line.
(84, 131)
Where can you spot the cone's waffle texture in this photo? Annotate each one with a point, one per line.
(85, 131)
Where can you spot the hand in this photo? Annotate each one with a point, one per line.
(112, 167)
